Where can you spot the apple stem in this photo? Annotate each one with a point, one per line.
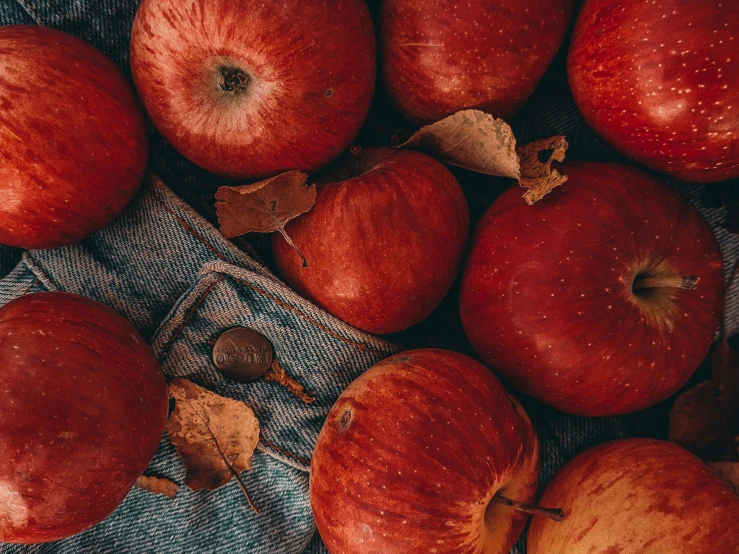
(555, 514)
(687, 282)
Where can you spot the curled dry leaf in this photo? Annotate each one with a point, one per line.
(729, 473)
(537, 176)
(705, 418)
(158, 485)
(266, 206)
(477, 141)
(214, 436)
(697, 421)
(470, 139)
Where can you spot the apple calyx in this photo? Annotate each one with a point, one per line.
(687, 282)
(555, 514)
(232, 80)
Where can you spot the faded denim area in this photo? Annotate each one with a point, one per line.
(164, 267)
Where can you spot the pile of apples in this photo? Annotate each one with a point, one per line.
(600, 299)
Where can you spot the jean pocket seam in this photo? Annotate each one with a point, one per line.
(32, 11)
(41, 273)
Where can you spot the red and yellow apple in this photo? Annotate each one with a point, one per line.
(637, 496)
(83, 406)
(441, 56)
(411, 455)
(577, 300)
(251, 88)
(659, 81)
(384, 241)
(73, 146)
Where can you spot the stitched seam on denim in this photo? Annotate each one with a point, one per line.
(283, 451)
(192, 311)
(36, 265)
(37, 281)
(62, 13)
(309, 319)
(32, 11)
(281, 456)
(192, 231)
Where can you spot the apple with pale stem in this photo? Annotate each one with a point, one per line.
(442, 56)
(659, 81)
(73, 146)
(602, 298)
(637, 496)
(384, 241)
(82, 410)
(248, 89)
(424, 453)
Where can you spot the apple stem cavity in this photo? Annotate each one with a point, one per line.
(555, 514)
(688, 282)
(233, 81)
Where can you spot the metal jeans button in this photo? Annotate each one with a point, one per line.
(242, 354)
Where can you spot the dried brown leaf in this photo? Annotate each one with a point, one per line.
(704, 419)
(470, 139)
(158, 485)
(729, 473)
(478, 141)
(266, 206)
(725, 372)
(695, 418)
(537, 176)
(214, 436)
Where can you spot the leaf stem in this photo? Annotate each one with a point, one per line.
(231, 468)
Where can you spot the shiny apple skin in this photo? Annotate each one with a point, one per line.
(311, 66)
(82, 410)
(659, 81)
(73, 146)
(546, 297)
(637, 496)
(442, 56)
(411, 454)
(383, 247)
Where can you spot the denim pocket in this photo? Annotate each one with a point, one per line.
(314, 348)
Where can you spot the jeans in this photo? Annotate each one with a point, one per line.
(181, 283)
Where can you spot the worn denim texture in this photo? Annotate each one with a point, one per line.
(166, 269)
(182, 284)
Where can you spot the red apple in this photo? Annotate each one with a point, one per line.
(442, 56)
(577, 301)
(384, 241)
(411, 455)
(83, 404)
(637, 496)
(251, 88)
(73, 147)
(659, 81)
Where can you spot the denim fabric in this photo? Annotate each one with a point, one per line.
(182, 284)
(167, 270)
